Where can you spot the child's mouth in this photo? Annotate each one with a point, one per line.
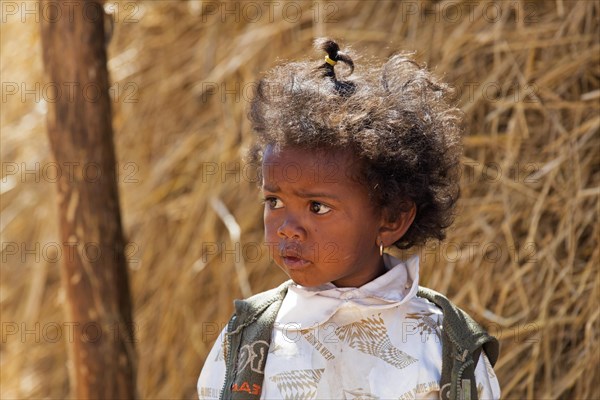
(295, 263)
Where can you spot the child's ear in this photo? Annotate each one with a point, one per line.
(392, 229)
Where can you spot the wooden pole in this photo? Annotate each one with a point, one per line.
(94, 269)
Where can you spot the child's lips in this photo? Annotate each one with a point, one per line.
(291, 255)
(295, 263)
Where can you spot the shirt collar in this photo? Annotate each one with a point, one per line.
(305, 307)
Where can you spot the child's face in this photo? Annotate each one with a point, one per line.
(318, 219)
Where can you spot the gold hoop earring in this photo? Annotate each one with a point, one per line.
(381, 248)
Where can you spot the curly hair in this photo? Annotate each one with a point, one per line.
(395, 118)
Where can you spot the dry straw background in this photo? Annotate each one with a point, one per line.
(522, 257)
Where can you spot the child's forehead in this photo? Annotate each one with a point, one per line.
(307, 158)
(308, 166)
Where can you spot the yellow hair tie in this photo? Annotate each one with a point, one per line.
(330, 61)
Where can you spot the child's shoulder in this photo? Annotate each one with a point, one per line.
(445, 306)
(463, 330)
(424, 305)
(269, 294)
(259, 302)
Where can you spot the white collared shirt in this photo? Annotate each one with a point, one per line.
(378, 341)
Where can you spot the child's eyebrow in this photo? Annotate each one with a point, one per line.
(315, 195)
(267, 187)
(300, 193)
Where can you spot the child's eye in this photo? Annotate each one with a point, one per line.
(273, 202)
(319, 208)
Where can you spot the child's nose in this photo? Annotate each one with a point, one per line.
(291, 228)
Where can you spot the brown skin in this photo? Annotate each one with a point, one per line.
(322, 220)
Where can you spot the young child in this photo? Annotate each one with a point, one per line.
(351, 166)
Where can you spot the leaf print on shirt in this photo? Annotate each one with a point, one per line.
(370, 336)
(298, 384)
(427, 324)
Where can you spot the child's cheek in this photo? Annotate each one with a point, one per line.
(270, 227)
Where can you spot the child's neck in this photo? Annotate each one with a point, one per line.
(377, 272)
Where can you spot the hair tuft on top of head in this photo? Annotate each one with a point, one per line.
(329, 46)
(333, 52)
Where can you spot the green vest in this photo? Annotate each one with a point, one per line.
(246, 345)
